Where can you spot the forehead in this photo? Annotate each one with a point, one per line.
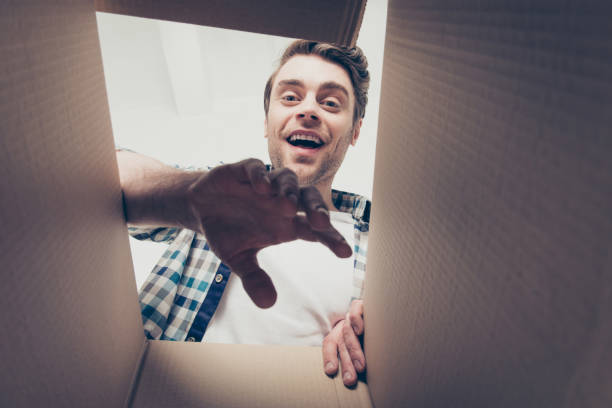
(313, 70)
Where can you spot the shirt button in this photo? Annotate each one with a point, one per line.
(190, 338)
(219, 278)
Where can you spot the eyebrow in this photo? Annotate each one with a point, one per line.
(291, 82)
(334, 85)
(324, 85)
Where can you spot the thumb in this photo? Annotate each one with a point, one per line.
(260, 289)
(255, 280)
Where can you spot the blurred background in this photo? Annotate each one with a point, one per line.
(193, 96)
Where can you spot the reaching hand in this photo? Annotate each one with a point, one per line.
(242, 208)
(343, 341)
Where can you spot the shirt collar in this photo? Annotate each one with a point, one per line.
(356, 205)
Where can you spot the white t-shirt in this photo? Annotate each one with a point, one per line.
(314, 292)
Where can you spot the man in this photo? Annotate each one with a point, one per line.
(232, 217)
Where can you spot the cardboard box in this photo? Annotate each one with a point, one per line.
(490, 260)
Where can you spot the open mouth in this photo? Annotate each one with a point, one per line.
(305, 141)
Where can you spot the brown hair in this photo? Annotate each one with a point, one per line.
(351, 59)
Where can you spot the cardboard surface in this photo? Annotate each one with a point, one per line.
(331, 21)
(490, 259)
(221, 375)
(489, 266)
(71, 327)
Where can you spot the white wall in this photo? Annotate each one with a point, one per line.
(193, 95)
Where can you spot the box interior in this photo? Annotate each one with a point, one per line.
(490, 265)
(226, 375)
(489, 277)
(75, 332)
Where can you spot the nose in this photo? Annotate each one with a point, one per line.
(308, 115)
(308, 111)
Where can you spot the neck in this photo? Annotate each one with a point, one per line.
(325, 189)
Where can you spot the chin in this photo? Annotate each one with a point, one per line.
(299, 167)
(308, 173)
(306, 180)
(305, 175)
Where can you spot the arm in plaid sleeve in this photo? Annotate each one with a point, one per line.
(153, 233)
(154, 196)
(240, 207)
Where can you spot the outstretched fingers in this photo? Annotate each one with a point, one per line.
(313, 205)
(335, 242)
(331, 238)
(257, 174)
(285, 185)
(240, 179)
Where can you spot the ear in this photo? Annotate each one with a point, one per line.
(356, 130)
(266, 127)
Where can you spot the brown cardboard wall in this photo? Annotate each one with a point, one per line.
(332, 21)
(489, 272)
(71, 328)
(184, 374)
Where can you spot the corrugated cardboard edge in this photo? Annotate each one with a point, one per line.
(136, 376)
(321, 20)
(352, 19)
(238, 375)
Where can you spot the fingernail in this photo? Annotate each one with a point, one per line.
(323, 210)
(355, 329)
(357, 365)
(347, 376)
(329, 366)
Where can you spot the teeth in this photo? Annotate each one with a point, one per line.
(295, 137)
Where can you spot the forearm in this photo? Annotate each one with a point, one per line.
(154, 193)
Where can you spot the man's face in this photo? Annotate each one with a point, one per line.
(310, 119)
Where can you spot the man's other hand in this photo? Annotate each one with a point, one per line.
(344, 342)
(242, 208)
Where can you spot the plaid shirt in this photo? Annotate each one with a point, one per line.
(182, 293)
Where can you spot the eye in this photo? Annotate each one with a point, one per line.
(331, 104)
(289, 97)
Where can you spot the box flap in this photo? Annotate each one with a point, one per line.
(71, 325)
(489, 266)
(331, 21)
(228, 375)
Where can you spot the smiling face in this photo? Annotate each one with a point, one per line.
(309, 125)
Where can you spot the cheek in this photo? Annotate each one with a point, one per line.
(278, 120)
(272, 132)
(342, 132)
(343, 141)
(341, 124)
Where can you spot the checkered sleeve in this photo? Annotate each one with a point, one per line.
(160, 234)
(359, 207)
(360, 251)
(159, 290)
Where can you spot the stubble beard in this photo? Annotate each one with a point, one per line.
(330, 163)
